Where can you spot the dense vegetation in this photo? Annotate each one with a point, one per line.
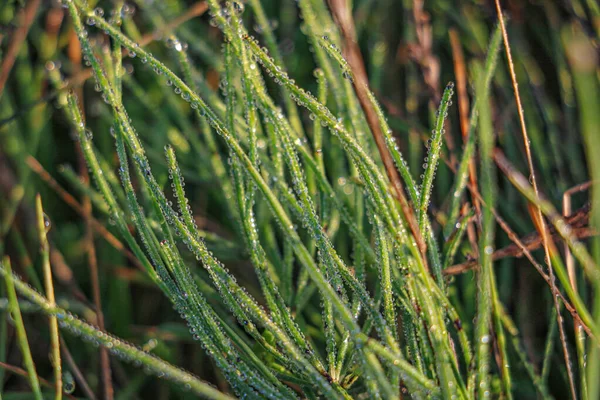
(299, 199)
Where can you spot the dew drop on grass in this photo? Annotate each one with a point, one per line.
(68, 382)
(238, 7)
(47, 223)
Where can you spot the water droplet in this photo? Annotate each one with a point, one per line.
(47, 223)
(68, 382)
(238, 7)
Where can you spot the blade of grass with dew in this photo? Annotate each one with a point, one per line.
(115, 212)
(245, 380)
(433, 155)
(234, 38)
(382, 244)
(352, 147)
(431, 162)
(483, 336)
(43, 225)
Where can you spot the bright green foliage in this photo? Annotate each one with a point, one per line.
(263, 215)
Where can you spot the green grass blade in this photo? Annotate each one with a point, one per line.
(15, 311)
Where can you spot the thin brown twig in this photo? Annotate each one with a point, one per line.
(532, 242)
(343, 17)
(460, 73)
(540, 216)
(26, 17)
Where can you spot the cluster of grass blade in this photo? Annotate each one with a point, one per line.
(290, 254)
